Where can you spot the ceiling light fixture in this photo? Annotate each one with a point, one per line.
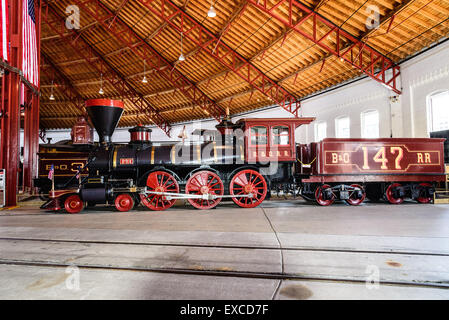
(181, 57)
(144, 80)
(52, 97)
(211, 13)
(101, 84)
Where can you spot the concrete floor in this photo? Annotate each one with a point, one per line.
(282, 250)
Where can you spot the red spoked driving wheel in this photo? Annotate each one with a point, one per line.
(390, 196)
(124, 202)
(422, 199)
(353, 200)
(73, 204)
(160, 181)
(248, 182)
(319, 196)
(204, 182)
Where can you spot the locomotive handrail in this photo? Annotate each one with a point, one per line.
(306, 164)
(79, 172)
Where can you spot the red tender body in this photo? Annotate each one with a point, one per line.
(373, 160)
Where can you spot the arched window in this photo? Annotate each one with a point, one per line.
(320, 131)
(370, 124)
(342, 127)
(280, 136)
(259, 135)
(438, 112)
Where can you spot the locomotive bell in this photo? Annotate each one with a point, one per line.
(105, 115)
(226, 126)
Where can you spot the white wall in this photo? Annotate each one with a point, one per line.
(406, 117)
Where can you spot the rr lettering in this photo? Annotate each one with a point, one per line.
(424, 157)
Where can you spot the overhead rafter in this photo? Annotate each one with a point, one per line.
(177, 18)
(63, 84)
(120, 30)
(238, 11)
(87, 52)
(295, 14)
(387, 17)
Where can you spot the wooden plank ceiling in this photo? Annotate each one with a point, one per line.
(294, 62)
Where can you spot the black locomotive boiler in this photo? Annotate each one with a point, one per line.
(241, 161)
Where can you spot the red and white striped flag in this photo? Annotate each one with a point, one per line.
(4, 29)
(29, 43)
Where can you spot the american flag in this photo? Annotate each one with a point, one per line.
(29, 43)
(4, 29)
(51, 172)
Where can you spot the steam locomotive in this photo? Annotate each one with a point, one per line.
(245, 162)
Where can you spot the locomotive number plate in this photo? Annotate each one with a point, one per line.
(126, 161)
(384, 158)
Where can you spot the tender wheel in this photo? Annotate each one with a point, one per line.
(124, 202)
(319, 196)
(390, 196)
(204, 182)
(246, 182)
(73, 204)
(424, 199)
(353, 199)
(160, 181)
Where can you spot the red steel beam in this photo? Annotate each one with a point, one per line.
(87, 52)
(31, 121)
(9, 159)
(293, 14)
(215, 47)
(120, 30)
(27, 141)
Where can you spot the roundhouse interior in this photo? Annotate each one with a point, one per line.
(218, 149)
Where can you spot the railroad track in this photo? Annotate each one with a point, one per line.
(214, 272)
(296, 248)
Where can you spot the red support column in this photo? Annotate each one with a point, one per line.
(27, 155)
(10, 120)
(31, 125)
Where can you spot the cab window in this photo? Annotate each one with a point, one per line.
(258, 135)
(281, 136)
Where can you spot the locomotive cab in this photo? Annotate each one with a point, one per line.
(271, 139)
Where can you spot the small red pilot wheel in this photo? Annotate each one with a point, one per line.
(73, 204)
(319, 196)
(124, 202)
(424, 199)
(248, 182)
(354, 198)
(204, 182)
(390, 196)
(160, 181)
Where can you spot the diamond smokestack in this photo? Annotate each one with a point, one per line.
(105, 115)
